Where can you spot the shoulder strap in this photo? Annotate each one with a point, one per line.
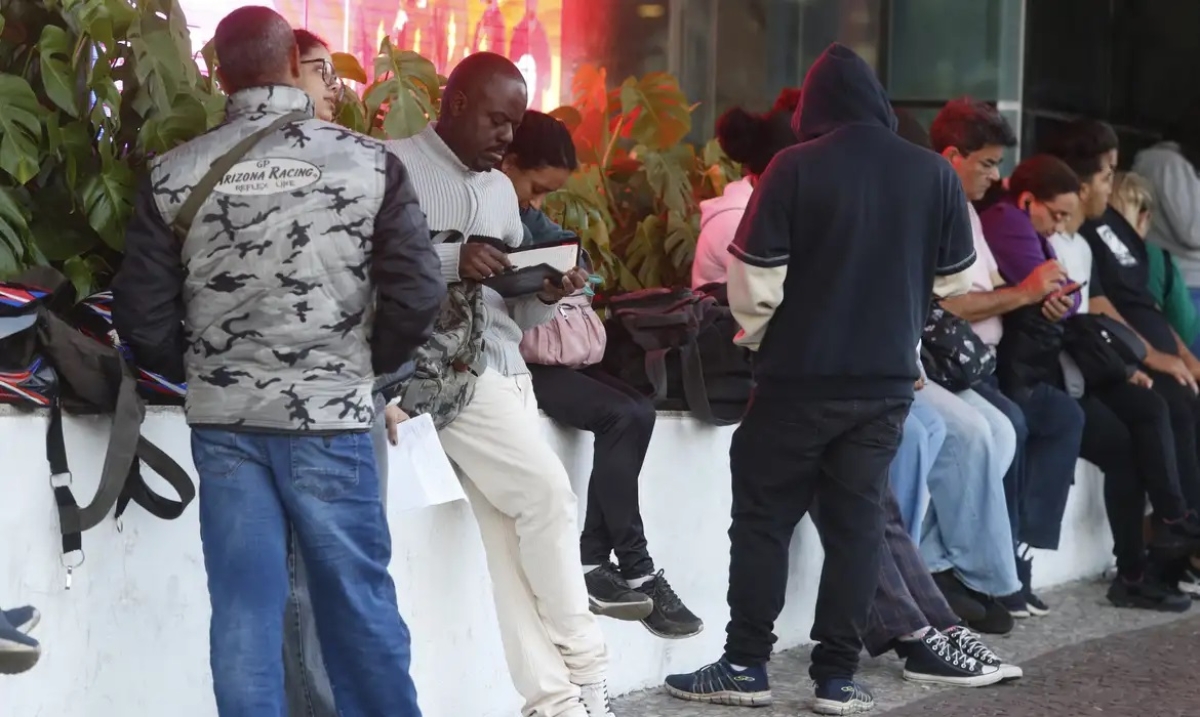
(187, 213)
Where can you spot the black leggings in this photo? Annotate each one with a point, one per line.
(1184, 409)
(1127, 434)
(622, 421)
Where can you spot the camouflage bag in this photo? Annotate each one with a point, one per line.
(445, 367)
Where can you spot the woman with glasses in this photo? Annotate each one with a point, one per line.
(317, 75)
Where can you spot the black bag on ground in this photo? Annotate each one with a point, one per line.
(94, 378)
(676, 347)
(953, 356)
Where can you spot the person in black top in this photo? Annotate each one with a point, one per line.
(831, 279)
(1120, 266)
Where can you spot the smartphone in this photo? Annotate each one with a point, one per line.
(1072, 289)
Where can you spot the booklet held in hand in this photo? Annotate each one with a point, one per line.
(532, 266)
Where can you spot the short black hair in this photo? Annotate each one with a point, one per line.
(477, 70)
(1045, 177)
(307, 41)
(753, 140)
(543, 141)
(1082, 144)
(254, 47)
(969, 126)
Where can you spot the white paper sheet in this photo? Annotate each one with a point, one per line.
(419, 473)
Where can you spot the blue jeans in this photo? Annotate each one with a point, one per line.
(255, 489)
(924, 433)
(1049, 426)
(967, 529)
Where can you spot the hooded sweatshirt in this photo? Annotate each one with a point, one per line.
(833, 265)
(1175, 222)
(719, 219)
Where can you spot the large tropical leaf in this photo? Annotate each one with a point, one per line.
(14, 227)
(20, 128)
(58, 76)
(172, 125)
(408, 91)
(644, 254)
(667, 174)
(591, 133)
(660, 112)
(679, 244)
(107, 197)
(348, 67)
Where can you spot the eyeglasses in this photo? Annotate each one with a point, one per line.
(328, 73)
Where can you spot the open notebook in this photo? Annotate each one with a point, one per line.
(532, 266)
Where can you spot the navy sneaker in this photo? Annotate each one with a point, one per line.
(840, 696)
(18, 651)
(23, 618)
(720, 684)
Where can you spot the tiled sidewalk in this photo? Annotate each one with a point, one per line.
(1119, 675)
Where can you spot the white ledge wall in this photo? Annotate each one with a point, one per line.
(130, 638)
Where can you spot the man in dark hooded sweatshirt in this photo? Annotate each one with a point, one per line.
(831, 279)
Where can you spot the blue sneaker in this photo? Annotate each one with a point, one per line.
(840, 696)
(23, 618)
(720, 684)
(18, 651)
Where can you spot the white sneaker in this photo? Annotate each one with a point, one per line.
(596, 700)
(1189, 584)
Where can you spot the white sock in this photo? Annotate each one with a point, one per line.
(737, 668)
(914, 636)
(638, 582)
(589, 568)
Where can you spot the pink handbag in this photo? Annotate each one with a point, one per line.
(573, 338)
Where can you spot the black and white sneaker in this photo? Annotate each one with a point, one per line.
(610, 596)
(1189, 582)
(670, 619)
(970, 645)
(935, 660)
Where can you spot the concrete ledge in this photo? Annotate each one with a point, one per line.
(131, 637)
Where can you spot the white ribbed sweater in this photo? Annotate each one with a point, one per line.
(477, 204)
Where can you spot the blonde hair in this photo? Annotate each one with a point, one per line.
(1131, 192)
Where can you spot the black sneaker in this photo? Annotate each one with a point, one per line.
(1016, 605)
(997, 620)
(841, 696)
(970, 644)
(721, 684)
(610, 596)
(935, 660)
(1033, 603)
(669, 618)
(1189, 582)
(1146, 595)
(959, 597)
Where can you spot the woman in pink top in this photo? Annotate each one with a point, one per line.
(751, 140)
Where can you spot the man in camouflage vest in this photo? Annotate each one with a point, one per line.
(281, 262)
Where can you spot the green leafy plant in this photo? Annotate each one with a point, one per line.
(635, 199)
(90, 89)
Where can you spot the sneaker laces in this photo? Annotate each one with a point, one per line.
(943, 648)
(609, 575)
(663, 594)
(970, 645)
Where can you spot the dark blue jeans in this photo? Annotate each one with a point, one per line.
(254, 490)
(1049, 426)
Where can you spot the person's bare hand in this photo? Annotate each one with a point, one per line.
(920, 384)
(394, 415)
(1172, 366)
(573, 281)
(1056, 306)
(1043, 281)
(1140, 378)
(478, 261)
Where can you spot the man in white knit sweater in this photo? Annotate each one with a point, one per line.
(518, 487)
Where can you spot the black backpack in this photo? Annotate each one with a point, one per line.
(91, 378)
(676, 347)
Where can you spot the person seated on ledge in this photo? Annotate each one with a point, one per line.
(539, 161)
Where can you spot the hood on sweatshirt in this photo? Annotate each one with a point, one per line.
(840, 89)
(735, 198)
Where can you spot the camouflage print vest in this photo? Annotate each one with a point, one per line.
(278, 297)
(446, 366)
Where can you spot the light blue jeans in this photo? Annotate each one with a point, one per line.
(967, 529)
(255, 489)
(924, 433)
